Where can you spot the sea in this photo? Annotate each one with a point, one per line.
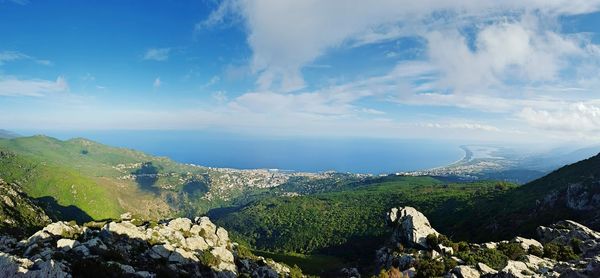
(218, 149)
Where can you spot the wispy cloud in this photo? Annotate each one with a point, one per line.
(9, 56)
(157, 54)
(157, 83)
(12, 86)
(20, 2)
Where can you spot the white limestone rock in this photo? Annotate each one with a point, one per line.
(180, 224)
(464, 271)
(411, 227)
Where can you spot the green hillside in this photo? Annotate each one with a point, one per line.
(19, 215)
(101, 181)
(81, 179)
(571, 192)
(339, 223)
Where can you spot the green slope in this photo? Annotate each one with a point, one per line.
(540, 202)
(86, 175)
(103, 181)
(19, 215)
(340, 223)
(64, 185)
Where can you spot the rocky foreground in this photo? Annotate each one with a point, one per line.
(565, 249)
(131, 248)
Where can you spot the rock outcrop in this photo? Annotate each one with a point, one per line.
(411, 227)
(573, 250)
(132, 248)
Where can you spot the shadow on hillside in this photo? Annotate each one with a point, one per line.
(64, 213)
(195, 187)
(146, 177)
(217, 213)
(347, 251)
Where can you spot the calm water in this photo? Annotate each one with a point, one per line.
(301, 154)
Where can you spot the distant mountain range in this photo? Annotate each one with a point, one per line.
(489, 162)
(8, 134)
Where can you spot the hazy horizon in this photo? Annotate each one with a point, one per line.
(520, 72)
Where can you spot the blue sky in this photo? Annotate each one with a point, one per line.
(511, 71)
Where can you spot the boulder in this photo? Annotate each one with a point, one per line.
(12, 266)
(225, 258)
(564, 231)
(63, 229)
(485, 269)
(181, 256)
(66, 244)
(526, 243)
(490, 245)
(517, 269)
(464, 271)
(124, 228)
(161, 251)
(446, 250)
(81, 249)
(180, 224)
(196, 243)
(95, 243)
(223, 236)
(411, 227)
(265, 272)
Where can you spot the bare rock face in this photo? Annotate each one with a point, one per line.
(564, 232)
(408, 248)
(13, 266)
(526, 243)
(411, 227)
(176, 248)
(465, 271)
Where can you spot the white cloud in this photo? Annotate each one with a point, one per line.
(577, 117)
(157, 83)
(12, 86)
(285, 36)
(157, 54)
(505, 52)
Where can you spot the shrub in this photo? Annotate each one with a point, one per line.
(491, 257)
(444, 240)
(536, 251)
(432, 240)
(551, 251)
(382, 274)
(463, 247)
(566, 253)
(244, 252)
(561, 253)
(296, 272)
(512, 250)
(429, 268)
(576, 245)
(449, 264)
(208, 259)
